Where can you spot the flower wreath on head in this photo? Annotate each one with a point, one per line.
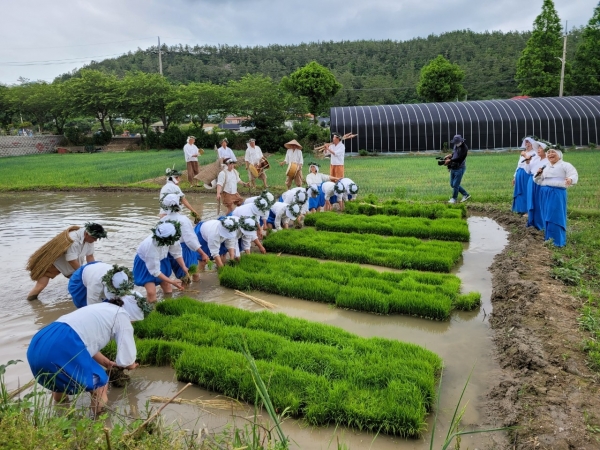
(125, 287)
(262, 203)
(353, 188)
(298, 194)
(314, 164)
(270, 198)
(172, 172)
(246, 226)
(168, 240)
(172, 208)
(229, 224)
(312, 191)
(95, 230)
(143, 304)
(339, 188)
(295, 209)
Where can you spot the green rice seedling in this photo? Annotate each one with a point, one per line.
(350, 286)
(441, 229)
(407, 209)
(467, 302)
(395, 252)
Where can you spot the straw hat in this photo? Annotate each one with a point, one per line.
(293, 144)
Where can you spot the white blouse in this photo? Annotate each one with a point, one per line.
(535, 164)
(289, 196)
(316, 178)
(337, 154)
(210, 233)
(226, 153)
(229, 180)
(188, 235)
(76, 252)
(521, 164)
(169, 188)
(92, 280)
(253, 155)
(294, 155)
(278, 209)
(328, 189)
(152, 254)
(191, 152)
(556, 175)
(97, 324)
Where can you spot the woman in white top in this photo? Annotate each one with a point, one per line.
(227, 183)
(247, 234)
(224, 152)
(65, 356)
(86, 286)
(151, 266)
(520, 178)
(191, 153)
(257, 208)
(554, 179)
(281, 213)
(293, 156)
(534, 213)
(172, 187)
(351, 190)
(333, 193)
(217, 238)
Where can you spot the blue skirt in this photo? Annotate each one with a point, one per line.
(204, 244)
(280, 199)
(534, 210)
(76, 287)
(60, 362)
(554, 214)
(141, 276)
(318, 201)
(520, 193)
(271, 218)
(190, 257)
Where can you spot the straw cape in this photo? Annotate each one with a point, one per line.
(39, 263)
(293, 144)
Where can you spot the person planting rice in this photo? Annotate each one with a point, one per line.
(317, 179)
(521, 177)
(190, 246)
(248, 227)
(151, 266)
(172, 187)
(63, 254)
(534, 213)
(332, 193)
(350, 191)
(227, 186)
(554, 178)
(65, 356)
(257, 208)
(296, 195)
(294, 160)
(86, 285)
(217, 238)
(315, 196)
(281, 213)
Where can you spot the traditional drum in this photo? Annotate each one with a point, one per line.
(292, 169)
(263, 165)
(253, 170)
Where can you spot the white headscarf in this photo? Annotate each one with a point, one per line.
(131, 307)
(558, 152)
(532, 141)
(171, 200)
(541, 144)
(293, 211)
(165, 229)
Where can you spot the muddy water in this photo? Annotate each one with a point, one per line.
(29, 220)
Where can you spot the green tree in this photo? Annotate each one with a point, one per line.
(538, 68)
(586, 67)
(441, 81)
(7, 110)
(60, 107)
(314, 82)
(33, 101)
(200, 100)
(95, 94)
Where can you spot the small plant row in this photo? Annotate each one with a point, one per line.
(419, 227)
(320, 372)
(394, 252)
(424, 294)
(407, 209)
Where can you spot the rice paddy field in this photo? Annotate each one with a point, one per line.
(414, 177)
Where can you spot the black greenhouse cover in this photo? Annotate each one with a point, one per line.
(485, 124)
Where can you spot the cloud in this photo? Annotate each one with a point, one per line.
(38, 30)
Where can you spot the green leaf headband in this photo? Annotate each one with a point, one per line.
(353, 188)
(172, 208)
(167, 240)
(143, 304)
(125, 287)
(292, 209)
(95, 230)
(231, 224)
(298, 194)
(270, 198)
(262, 203)
(339, 188)
(246, 226)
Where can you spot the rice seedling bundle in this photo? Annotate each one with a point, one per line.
(407, 209)
(320, 372)
(430, 295)
(423, 228)
(395, 252)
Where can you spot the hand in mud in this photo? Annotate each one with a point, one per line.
(177, 284)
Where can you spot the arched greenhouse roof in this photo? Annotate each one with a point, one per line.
(485, 124)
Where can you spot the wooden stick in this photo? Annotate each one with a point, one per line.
(21, 389)
(151, 418)
(256, 300)
(216, 403)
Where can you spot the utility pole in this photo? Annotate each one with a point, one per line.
(563, 60)
(160, 59)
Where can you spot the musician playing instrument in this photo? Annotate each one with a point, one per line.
(224, 152)
(337, 150)
(253, 156)
(294, 160)
(227, 182)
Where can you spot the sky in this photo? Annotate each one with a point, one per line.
(43, 39)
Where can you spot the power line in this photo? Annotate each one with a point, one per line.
(79, 45)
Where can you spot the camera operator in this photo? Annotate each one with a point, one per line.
(457, 167)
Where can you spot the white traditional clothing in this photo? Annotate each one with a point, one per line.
(316, 178)
(277, 215)
(555, 175)
(97, 324)
(294, 196)
(535, 163)
(91, 277)
(229, 179)
(253, 155)
(152, 254)
(328, 189)
(78, 251)
(170, 188)
(226, 153)
(191, 152)
(249, 210)
(337, 154)
(209, 231)
(294, 155)
(188, 236)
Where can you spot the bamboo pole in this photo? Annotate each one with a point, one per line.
(256, 300)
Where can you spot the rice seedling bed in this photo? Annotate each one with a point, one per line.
(419, 227)
(424, 294)
(394, 252)
(407, 209)
(320, 372)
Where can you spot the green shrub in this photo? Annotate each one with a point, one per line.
(442, 229)
(395, 252)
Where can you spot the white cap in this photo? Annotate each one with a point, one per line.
(119, 278)
(171, 200)
(131, 307)
(230, 221)
(293, 211)
(248, 221)
(165, 229)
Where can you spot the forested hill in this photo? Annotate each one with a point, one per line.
(372, 72)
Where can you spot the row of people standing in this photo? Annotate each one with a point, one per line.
(540, 188)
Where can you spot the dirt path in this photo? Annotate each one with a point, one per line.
(546, 389)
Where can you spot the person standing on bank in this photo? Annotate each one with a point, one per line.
(224, 152)
(64, 254)
(457, 166)
(191, 153)
(295, 161)
(227, 182)
(337, 150)
(253, 157)
(554, 179)
(534, 213)
(521, 177)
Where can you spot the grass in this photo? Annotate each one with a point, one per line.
(410, 177)
(424, 294)
(405, 209)
(316, 371)
(423, 228)
(394, 252)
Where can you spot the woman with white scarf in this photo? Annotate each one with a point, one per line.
(534, 213)
(521, 178)
(554, 178)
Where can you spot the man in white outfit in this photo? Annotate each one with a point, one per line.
(253, 157)
(191, 153)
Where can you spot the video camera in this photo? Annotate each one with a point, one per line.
(441, 160)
